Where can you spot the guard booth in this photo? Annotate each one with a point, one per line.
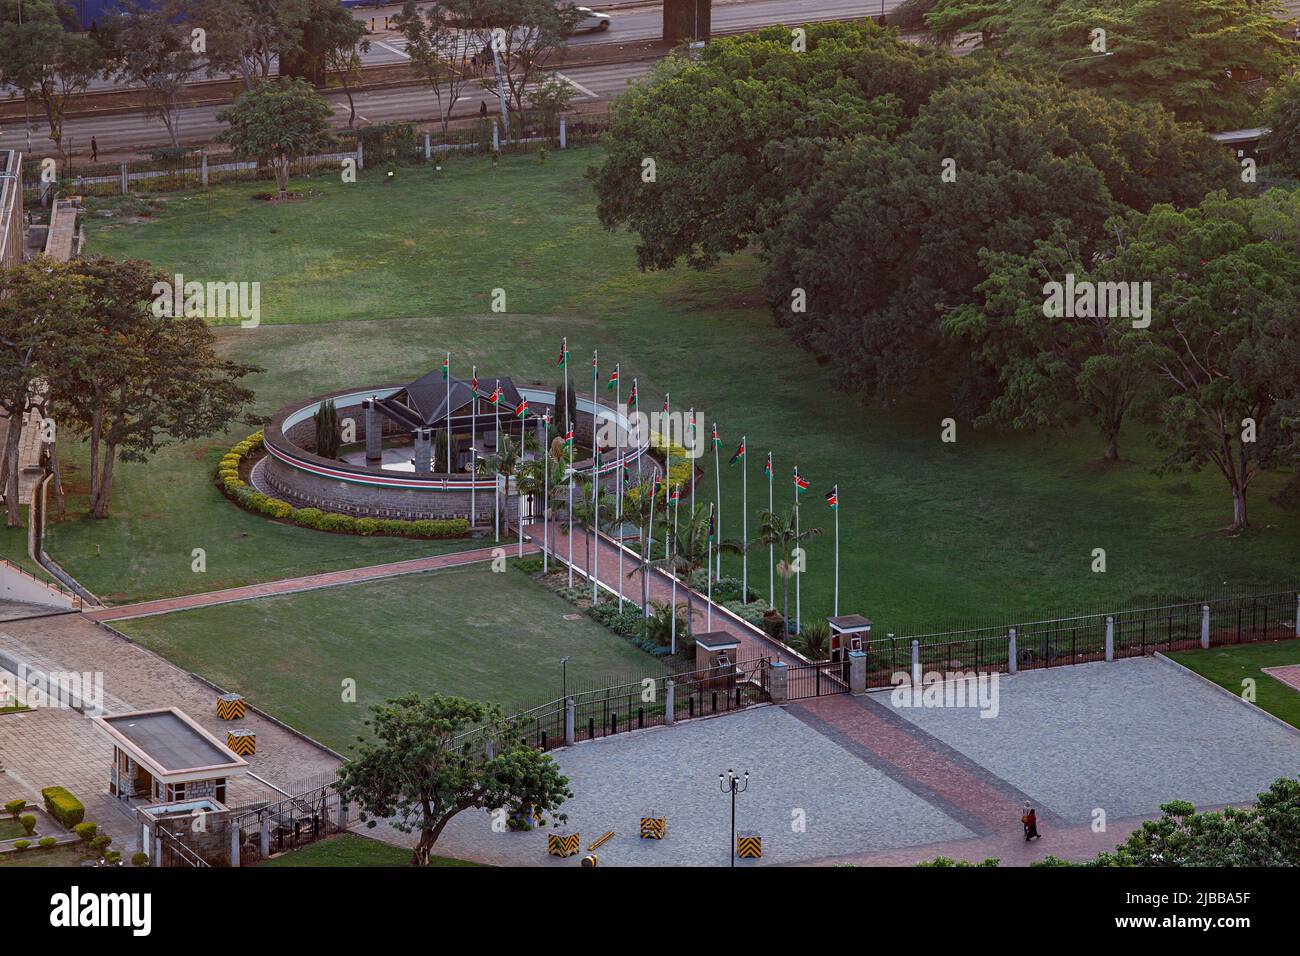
(848, 633)
(715, 657)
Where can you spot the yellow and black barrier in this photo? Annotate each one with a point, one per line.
(563, 844)
(749, 846)
(230, 706)
(242, 742)
(654, 828)
(590, 860)
(600, 841)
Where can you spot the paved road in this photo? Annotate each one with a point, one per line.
(135, 132)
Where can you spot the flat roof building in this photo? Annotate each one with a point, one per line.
(162, 756)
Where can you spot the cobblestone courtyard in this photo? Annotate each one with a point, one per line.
(842, 778)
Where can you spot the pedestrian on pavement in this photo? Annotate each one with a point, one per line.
(1030, 820)
(94, 150)
(482, 109)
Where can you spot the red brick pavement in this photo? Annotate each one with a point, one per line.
(753, 642)
(1288, 674)
(308, 583)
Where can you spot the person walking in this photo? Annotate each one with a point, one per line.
(94, 150)
(1030, 821)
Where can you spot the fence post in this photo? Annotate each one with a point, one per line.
(916, 662)
(342, 818)
(564, 138)
(234, 844)
(857, 672)
(124, 180)
(361, 155)
(1297, 615)
(1012, 660)
(264, 838)
(203, 170)
(496, 137)
(1110, 637)
(670, 701)
(778, 680)
(568, 721)
(428, 149)
(1205, 626)
(157, 851)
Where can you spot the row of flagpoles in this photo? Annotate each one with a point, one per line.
(800, 485)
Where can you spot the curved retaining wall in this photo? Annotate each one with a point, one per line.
(306, 480)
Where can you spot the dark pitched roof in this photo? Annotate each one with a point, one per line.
(426, 398)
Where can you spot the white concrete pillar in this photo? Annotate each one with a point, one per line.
(670, 702)
(203, 170)
(1205, 626)
(157, 851)
(428, 148)
(1110, 637)
(496, 137)
(857, 672)
(564, 135)
(361, 155)
(234, 845)
(264, 837)
(125, 187)
(1012, 660)
(569, 735)
(374, 430)
(916, 663)
(778, 679)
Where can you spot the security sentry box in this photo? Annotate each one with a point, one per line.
(848, 633)
(715, 650)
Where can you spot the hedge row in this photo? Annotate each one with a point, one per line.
(63, 806)
(252, 500)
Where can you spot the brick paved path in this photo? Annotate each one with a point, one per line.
(753, 641)
(309, 583)
(1288, 674)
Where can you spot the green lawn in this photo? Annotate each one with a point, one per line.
(69, 855)
(349, 849)
(389, 274)
(11, 829)
(466, 631)
(1229, 666)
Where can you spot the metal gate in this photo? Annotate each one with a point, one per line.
(817, 680)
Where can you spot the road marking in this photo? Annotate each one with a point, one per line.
(392, 49)
(576, 85)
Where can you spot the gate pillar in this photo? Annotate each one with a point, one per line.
(857, 672)
(777, 682)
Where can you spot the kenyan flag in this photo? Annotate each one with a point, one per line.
(767, 468)
(833, 497)
(677, 493)
(631, 400)
(613, 380)
(446, 366)
(495, 397)
(740, 453)
(521, 410)
(717, 442)
(800, 483)
(711, 528)
(568, 438)
(563, 360)
(473, 379)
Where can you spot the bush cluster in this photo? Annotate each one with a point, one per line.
(249, 499)
(63, 806)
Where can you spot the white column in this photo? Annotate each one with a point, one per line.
(916, 663)
(1110, 637)
(670, 701)
(564, 138)
(1012, 661)
(1205, 626)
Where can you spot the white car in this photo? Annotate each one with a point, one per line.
(589, 21)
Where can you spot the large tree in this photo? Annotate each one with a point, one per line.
(245, 38)
(714, 181)
(414, 772)
(525, 36)
(277, 122)
(433, 34)
(1207, 61)
(44, 61)
(132, 381)
(1282, 117)
(865, 261)
(151, 47)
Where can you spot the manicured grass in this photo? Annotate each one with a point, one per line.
(13, 709)
(466, 631)
(1229, 666)
(11, 829)
(389, 274)
(69, 855)
(349, 849)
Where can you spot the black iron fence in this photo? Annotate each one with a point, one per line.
(817, 679)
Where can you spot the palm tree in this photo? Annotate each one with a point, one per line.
(540, 477)
(591, 517)
(779, 529)
(639, 506)
(506, 461)
(689, 552)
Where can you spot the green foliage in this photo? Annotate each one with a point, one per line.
(1203, 60)
(63, 806)
(15, 807)
(28, 821)
(943, 862)
(86, 831)
(328, 437)
(408, 774)
(814, 640)
(139, 858)
(100, 842)
(46, 843)
(21, 845)
(277, 122)
(658, 627)
(1282, 117)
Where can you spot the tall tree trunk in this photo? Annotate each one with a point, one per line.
(1238, 506)
(1112, 445)
(13, 514)
(100, 495)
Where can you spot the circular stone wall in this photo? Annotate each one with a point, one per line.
(293, 472)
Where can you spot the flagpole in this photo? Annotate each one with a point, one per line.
(837, 550)
(744, 522)
(709, 623)
(618, 501)
(568, 427)
(546, 502)
(473, 453)
(646, 554)
(449, 469)
(519, 492)
(798, 578)
(771, 547)
(677, 503)
(691, 413)
(717, 475)
(496, 492)
(595, 478)
(668, 455)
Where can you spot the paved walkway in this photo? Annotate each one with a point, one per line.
(310, 582)
(753, 642)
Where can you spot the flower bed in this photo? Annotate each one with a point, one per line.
(230, 478)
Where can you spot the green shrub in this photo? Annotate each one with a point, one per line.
(29, 823)
(15, 807)
(86, 831)
(22, 844)
(308, 517)
(112, 857)
(277, 508)
(366, 526)
(63, 806)
(46, 842)
(337, 522)
(101, 842)
(139, 858)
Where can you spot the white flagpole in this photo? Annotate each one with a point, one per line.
(546, 501)
(798, 578)
(717, 476)
(595, 478)
(677, 502)
(496, 492)
(646, 555)
(771, 548)
(691, 415)
(668, 456)
(519, 492)
(618, 505)
(473, 442)
(569, 427)
(449, 468)
(744, 522)
(709, 624)
(837, 550)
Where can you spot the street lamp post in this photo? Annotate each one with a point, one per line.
(564, 678)
(730, 783)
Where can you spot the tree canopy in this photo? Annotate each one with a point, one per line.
(277, 122)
